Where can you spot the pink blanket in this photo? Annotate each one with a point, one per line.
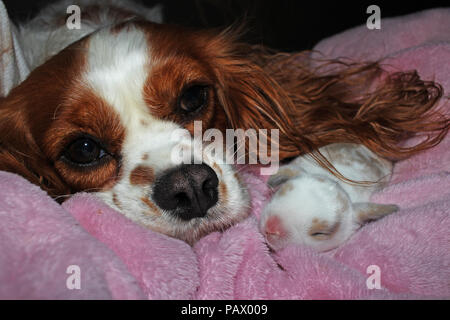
(408, 252)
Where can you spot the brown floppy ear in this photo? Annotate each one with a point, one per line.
(336, 101)
(252, 100)
(19, 152)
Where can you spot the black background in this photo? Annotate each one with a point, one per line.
(285, 25)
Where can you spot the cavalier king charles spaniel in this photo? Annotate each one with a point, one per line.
(98, 111)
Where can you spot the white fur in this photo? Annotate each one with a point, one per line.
(314, 208)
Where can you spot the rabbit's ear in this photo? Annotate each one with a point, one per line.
(283, 175)
(368, 211)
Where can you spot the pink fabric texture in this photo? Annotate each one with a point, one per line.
(118, 259)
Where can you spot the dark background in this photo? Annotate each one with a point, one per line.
(285, 25)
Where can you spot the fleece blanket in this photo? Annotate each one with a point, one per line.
(85, 250)
(13, 67)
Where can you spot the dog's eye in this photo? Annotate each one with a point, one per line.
(194, 98)
(84, 151)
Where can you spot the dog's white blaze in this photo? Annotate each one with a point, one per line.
(117, 68)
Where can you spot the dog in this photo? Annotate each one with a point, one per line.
(313, 207)
(98, 111)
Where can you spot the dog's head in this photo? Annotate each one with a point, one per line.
(100, 116)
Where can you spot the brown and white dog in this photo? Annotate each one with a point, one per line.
(99, 109)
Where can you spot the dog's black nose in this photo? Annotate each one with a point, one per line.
(187, 191)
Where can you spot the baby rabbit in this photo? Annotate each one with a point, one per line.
(314, 208)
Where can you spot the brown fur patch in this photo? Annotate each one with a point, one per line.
(239, 179)
(217, 168)
(182, 59)
(374, 212)
(223, 191)
(142, 175)
(42, 115)
(151, 205)
(145, 157)
(288, 172)
(366, 216)
(285, 188)
(116, 201)
(85, 113)
(321, 230)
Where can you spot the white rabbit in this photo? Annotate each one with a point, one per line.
(315, 208)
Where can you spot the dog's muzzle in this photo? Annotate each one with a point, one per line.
(187, 191)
